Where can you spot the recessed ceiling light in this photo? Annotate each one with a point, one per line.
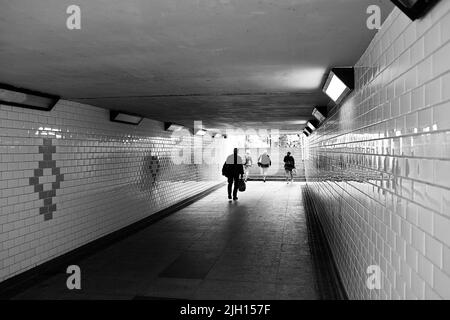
(311, 126)
(200, 132)
(415, 9)
(318, 115)
(168, 126)
(339, 83)
(24, 98)
(125, 117)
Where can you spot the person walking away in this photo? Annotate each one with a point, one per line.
(247, 165)
(233, 169)
(289, 165)
(264, 163)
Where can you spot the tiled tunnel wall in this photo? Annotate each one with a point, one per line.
(379, 167)
(70, 176)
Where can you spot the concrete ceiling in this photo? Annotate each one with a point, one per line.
(229, 63)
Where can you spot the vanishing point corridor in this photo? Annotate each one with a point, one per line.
(148, 148)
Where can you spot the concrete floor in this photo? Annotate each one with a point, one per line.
(255, 248)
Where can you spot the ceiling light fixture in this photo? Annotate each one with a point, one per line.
(340, 82)
(415, 9)
(319, 114)
(24, 98)
(125, 117)
(312, 125)
(169, 126)
(200, 132)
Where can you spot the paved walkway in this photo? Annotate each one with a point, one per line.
(255, 248)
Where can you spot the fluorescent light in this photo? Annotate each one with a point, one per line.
(336, 88)
(339, 83)
(172, 127)
(128, 118)
(200, 132)
(24, 98)
(318, 115)
(415, 9)
(175, 127)
(311, 126)
(123, 117)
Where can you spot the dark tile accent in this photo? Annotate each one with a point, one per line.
(47, 149)
(44, 194)
(47, 164)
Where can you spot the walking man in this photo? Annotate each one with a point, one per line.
(233, 169)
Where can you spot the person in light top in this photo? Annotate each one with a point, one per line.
(248, 162)
(264, 163)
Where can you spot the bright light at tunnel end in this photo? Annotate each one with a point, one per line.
(216, 144)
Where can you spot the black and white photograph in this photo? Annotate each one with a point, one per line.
(222, 157)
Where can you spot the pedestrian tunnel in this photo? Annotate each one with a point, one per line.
(116, 122)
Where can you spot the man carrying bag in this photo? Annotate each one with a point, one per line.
(233, 169)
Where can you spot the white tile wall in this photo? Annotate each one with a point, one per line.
(111, 175)
(383, 163)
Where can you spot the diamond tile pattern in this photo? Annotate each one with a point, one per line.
(379, 168)
(47, 163)
(70, 176)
